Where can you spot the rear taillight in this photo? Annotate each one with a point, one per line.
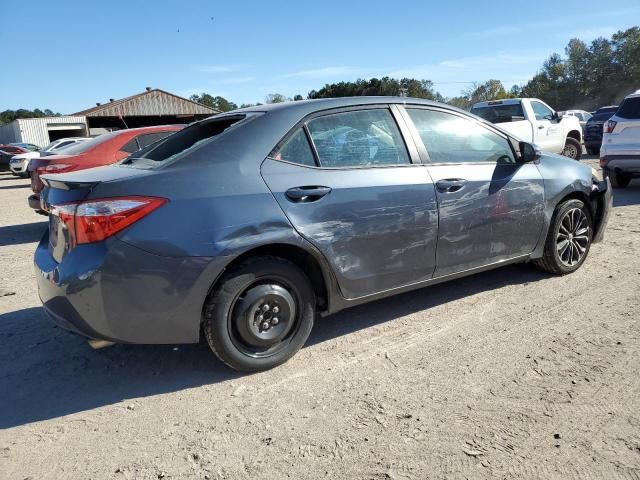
(94, 220)
(54, 168)
(609, 126)
(603, 161)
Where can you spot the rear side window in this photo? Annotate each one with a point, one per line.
(500, 113)
(630, 108)
(358, 139)
(131, 146)
(296, 150)
(453, 139)
(180, 142)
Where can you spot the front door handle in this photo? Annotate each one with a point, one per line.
(307, 193)
(540, 127)
(450, 185)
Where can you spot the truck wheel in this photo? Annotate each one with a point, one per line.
(568, 239)
(593, 150)
(572, 149)
(260, 315)
(618, 180)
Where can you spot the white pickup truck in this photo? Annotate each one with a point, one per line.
(534, 121)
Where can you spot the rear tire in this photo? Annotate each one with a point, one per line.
(568, 240)
(593, 151)
(618, 180)
(260, 314)
(572, 148)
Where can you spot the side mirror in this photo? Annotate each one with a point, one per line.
(558, 116)
(528, 152)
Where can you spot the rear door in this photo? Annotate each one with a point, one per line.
(547, 132)
(351, 186)
(491, 208)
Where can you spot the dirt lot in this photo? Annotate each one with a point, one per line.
(508, 374)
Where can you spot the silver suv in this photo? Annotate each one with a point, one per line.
(620, 151)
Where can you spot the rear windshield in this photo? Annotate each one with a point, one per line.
(611, 109)
(601, 117)
(630, 108)
(500, 113)
(187, 139)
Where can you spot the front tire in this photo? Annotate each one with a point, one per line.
(260, 314)
(568, 240)
(572, 148)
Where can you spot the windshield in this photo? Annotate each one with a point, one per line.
(180, 142)
(500, 113)
(82, 147)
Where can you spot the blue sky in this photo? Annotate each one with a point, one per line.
(66, 55)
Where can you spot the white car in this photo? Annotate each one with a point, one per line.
(19, 163)
(582, 115)
(620, 150)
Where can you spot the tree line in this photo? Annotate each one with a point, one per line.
(587, 76)
(9, 116)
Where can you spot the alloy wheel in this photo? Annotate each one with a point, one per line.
(572, 240)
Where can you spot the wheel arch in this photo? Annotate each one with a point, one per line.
(575, 134)
(310, 262)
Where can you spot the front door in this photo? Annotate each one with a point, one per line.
(491, 207)
(547, 132)
(348, 185)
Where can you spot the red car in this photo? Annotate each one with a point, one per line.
(103, 150)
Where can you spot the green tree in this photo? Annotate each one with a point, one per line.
(276, 98)
(297, 98)
(218, 102)
(9, 116)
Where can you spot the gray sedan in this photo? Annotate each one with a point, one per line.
(245, 226)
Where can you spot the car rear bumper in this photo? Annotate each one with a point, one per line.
(34, 201)
(622, 163)
(114, 291)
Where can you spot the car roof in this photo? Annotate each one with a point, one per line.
(306, 107)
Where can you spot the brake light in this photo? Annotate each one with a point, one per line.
(609, 126)
(54, 168)
(603, 161)
(95, 220)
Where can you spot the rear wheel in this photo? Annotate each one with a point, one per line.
(568, 240)
(572, 149)
(593, 150)
(618, 180)
(260, 315)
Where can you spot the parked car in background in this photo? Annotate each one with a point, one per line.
(534, 121)
(30, 147)
(19, 163)
(620, 150)
(593, 132)
(582, 115)
(298, 209)
(103, 150)
(607, 109)
(6, 153)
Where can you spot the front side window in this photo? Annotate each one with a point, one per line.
(541, 111)
(454, 139)
(359, 138)
(296, 150)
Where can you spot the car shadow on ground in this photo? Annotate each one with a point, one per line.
(627, 196)
(24, 233)
(46, 372)
(9, 187)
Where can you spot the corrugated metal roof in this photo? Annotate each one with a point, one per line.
(152, 102)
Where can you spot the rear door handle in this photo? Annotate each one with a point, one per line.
(450, 185)
(308, 193)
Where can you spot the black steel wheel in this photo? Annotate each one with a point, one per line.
(260, 315)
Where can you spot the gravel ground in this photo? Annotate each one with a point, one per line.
(507, 374)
